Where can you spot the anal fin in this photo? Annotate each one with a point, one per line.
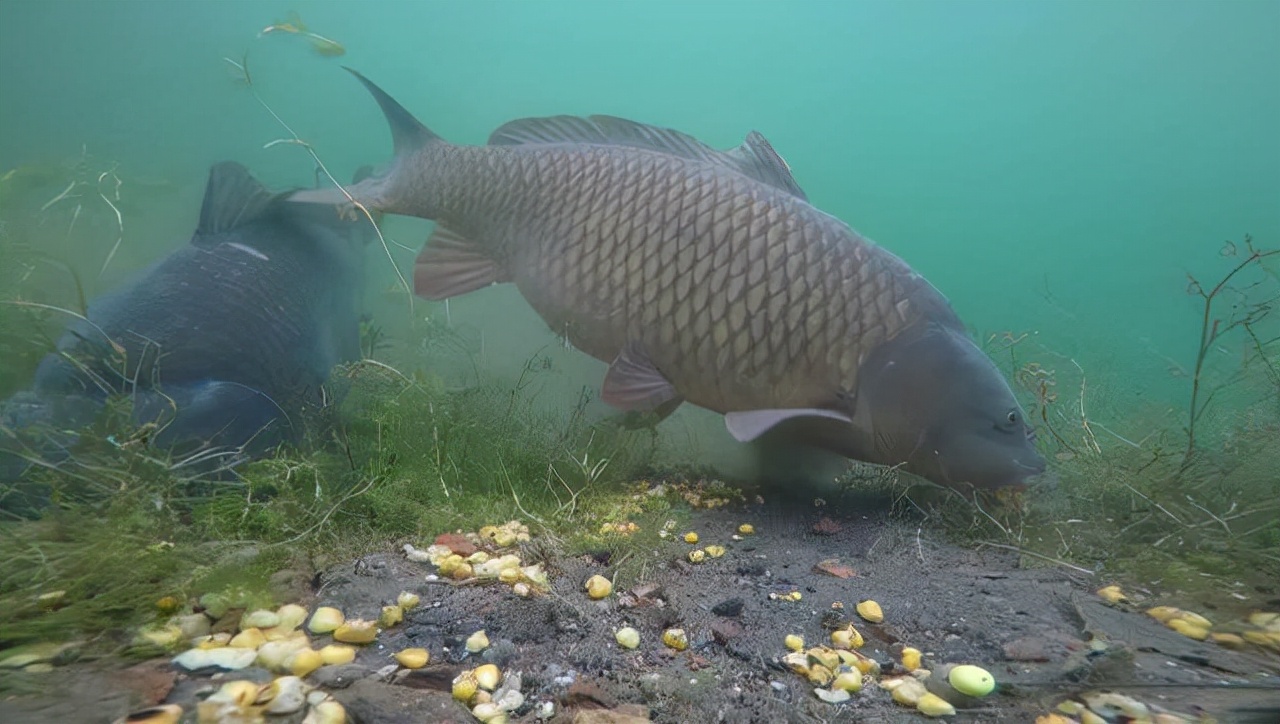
(451, 264)
(634, 383)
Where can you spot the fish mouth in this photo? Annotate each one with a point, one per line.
(1024, 470)
(1035, 468)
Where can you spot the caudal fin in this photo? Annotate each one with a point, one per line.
(408, 134)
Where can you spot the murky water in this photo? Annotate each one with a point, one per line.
(1056, 169)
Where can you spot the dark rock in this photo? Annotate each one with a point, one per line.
(290, 585)
(439, 678)
(255, 674)
(229, 623)
(647, 590)
(368, 701)
(457, 543)
(151, 680)
(827, 526)
(587, 695)
(501, 652)
(1027, 648)
(339, 677)
(625, 714)
(726, 630)
(730, 608)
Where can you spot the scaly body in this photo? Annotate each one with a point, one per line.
(743, 295)
(706, 275)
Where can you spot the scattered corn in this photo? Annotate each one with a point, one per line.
(848, 680)
(675, 638)
(847, 638)
(304, 661)
(931, 704)
(465, 686)
(356, 631)
(477, 642)
(488, 677)
(337, 654)
(390, 616)
(415, 658)
(627, 637)
(250, 638)
(870, 610)
(325, 620)
(598, 587)
(1113, 594)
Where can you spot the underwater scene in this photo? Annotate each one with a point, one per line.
(639, 361)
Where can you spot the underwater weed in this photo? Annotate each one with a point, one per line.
(400, 443)
(1184, 499)
(326, 47)
(295, 139)
(1246, 313)
(105, 185)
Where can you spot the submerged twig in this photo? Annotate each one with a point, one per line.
(1211, 330)
(1089, 438)
(1162, 509)
(297, 140)
(37, 305)
(1041, 556)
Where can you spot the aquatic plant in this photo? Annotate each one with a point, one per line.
(326, 47)
(1246, 313)
(387, 455)
(403, 459)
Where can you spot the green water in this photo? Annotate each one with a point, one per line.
(1055, 168)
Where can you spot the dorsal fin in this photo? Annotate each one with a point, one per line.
(231, 198)
(754, 158)
(765, 164)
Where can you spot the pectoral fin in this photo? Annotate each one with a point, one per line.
(633, 383)
(451, 264)
(748, 425)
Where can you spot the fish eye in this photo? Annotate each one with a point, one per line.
(1012, 417)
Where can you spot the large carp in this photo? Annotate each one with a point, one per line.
(222, 344)
(706, 276)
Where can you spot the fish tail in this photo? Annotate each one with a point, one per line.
(408, 134)
(408, 137)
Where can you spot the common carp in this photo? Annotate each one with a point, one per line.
(706, 276)
(222, 344)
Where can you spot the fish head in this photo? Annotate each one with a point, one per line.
(938, 406)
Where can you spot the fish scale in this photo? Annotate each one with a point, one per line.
(634, 277)
(706, 275)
